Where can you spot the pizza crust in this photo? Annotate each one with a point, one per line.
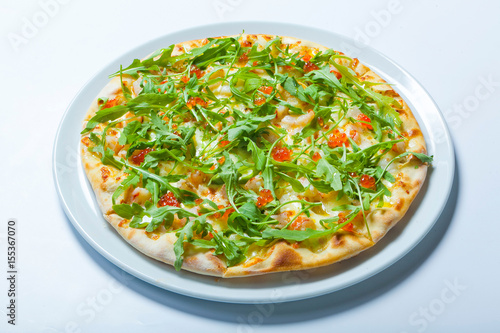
(281, 256)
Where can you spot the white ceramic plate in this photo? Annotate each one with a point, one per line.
(82, 209)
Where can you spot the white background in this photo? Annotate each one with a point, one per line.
(448, 283)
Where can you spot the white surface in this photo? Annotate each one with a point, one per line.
(79, 201)
(450, 47)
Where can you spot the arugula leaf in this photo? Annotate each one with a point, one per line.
(105, 115)
(231, 251)
(208, 54)
(183, 235)
(128, 211)
(250, 211)
(332, 175)
(165, 60)
(258, 155)
(246, 127)
(129, 132)
(291, 85)
(295, 183)
(424, 158)
(150, 101)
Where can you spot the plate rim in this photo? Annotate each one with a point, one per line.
(227, 298)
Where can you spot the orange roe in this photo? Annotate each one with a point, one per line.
(364, 117)
(367, 181)
(266, 89)
(217, 215)
(139, 155)
(185, 79)
(246, 43)
(243, 58)
(309, 66)
(110, 103)
(196, 71)
(342, 218)
(192, 101)
(169, 200)
(337, 139)
(224, 143)
(265, 197)
(281, 154)
(316, 157)
(337, 74)
(228, 212)
(259, 100)
(302, 223)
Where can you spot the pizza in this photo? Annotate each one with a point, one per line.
(251, 154)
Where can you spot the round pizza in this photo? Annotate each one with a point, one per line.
(251, 154)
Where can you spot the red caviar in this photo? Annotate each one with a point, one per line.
(139, 155)
(266, 89)
(185, 79)
(316, 157)
(246, 43)
(192, 101)
(217, 215)
(110, 103)
(281, 154)
(342, 218)
(337, 74)
(224, 143)
(309, 66)
(196, 71)
(367, 181)
(265, 197)
(337, 139)
(364, 117)
(301, 223)
(227, 213)
(243, 58)
(169, 200)
(259, 100)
